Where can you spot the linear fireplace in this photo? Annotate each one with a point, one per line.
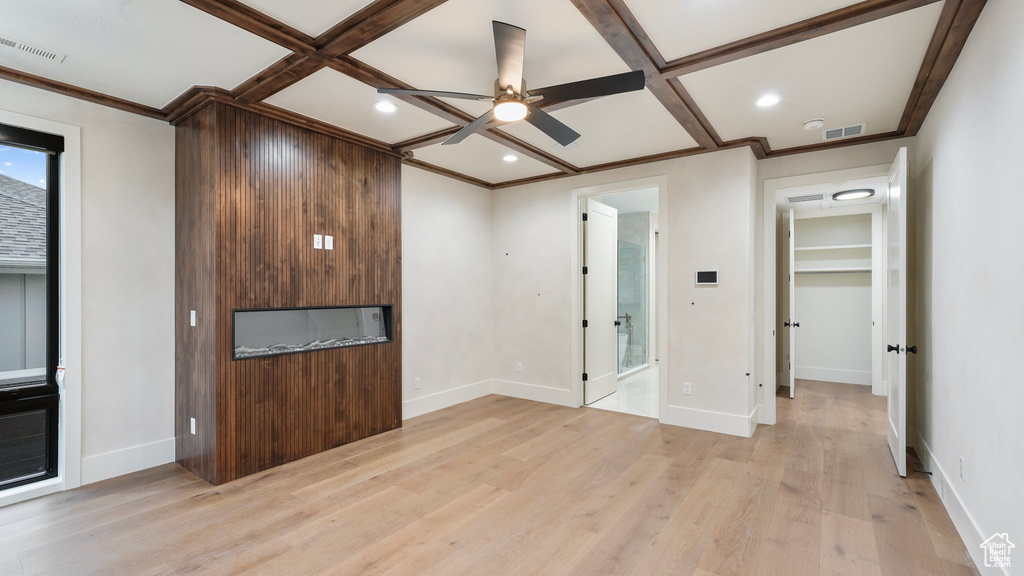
(259, 333)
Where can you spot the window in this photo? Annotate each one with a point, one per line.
(29, 304)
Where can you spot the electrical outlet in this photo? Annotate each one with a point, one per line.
(416, 383)
(519, 367)
(687, 388)
(192, 426)
(963, 473)
(318, 241)
(329, 242)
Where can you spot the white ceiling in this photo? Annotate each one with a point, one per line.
(633, 202)
(145, 51)
(481, 158)
(862, 74)
(347, 103)
(879, 184)
(452, 47)
(611, 128)
(312, 17)
(683, 27)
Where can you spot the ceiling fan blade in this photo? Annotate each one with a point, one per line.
(549, 125)
(510, 49)
(470, 128)
(434, 93)
(593, 88)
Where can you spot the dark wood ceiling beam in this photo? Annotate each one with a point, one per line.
(237, 13)
(79, 93)
(371, 23)
(277, 77)
(955, 24)
(449, 173)
(620, 29)
(425, 140)
(834, 21)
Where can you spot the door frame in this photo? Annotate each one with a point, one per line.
(69, 460)
(766, 400)
(579, 197)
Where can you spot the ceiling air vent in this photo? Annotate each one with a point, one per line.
(807, 198)
(846, 132)
(7, 42)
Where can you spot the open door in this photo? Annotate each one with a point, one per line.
(792, 323)
(600, 301)
(896, 299)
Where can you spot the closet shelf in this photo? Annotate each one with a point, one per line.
(842, 270)
(842, 247)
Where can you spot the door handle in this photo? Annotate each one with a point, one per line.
(911, 349)
(786, 323)
(618, 323)
(796, 324)
(891, 348)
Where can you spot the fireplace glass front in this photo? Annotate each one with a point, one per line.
(287, 331)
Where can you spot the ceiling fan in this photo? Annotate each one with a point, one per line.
(512, 101)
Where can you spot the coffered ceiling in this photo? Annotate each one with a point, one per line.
(318, 63)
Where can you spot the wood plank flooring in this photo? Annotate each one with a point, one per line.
(507, 486)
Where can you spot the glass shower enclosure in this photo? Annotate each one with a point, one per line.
(632, 306)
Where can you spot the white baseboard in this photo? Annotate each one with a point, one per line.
(560, 396)
(834, 375)
(431, 402)
(720, 422)
(964, 521)
(126, 461)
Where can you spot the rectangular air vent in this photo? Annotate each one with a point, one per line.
(845, 132)
(50, 55)
(807, 198)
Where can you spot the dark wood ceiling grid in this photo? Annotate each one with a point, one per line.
(611, 18)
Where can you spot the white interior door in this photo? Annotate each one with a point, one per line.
(896, 299)
(600, 300)
(793, 324)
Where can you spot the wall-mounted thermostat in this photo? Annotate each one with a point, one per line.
(707, 277)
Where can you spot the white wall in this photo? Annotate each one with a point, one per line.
(447, 306)
(127, 372)
(967, 204)
(707, 226)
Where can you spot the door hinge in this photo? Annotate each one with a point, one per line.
(584, 269)
(584, 323)
(584, 216)
(584, 376)
(790, 233)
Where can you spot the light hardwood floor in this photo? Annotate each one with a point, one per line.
(507, 486)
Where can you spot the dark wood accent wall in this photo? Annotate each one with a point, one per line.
(251, 192)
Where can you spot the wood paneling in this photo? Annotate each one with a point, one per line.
(266, 187)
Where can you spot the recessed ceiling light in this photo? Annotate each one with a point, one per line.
(510, 157)
(385, 107)
(815, 124)
(768, 100)
(856, 194)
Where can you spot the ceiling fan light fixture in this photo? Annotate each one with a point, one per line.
(510, 110)
(385, 107)
(857, 194)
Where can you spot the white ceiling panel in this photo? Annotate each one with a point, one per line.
(683, 27)
(612, 128)
(862, 74)
(452, 47)
(313, 17)
(348, 103)
(481, 158)
(146, 51)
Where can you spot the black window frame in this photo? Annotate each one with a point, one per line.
(46, 393)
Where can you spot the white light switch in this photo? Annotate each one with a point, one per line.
(192, 317)
(192, 425)
(318, 241)
(329, 242)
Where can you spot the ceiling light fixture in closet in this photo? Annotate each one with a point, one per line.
(856, 194)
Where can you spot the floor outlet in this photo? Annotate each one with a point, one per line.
(687, 388)
(416, 383)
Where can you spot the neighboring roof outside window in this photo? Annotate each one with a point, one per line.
(22, 221)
